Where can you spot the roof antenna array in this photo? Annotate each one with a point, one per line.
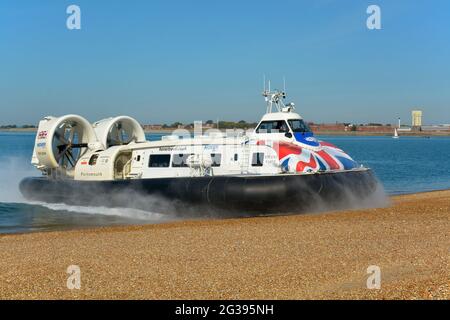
(275, 98)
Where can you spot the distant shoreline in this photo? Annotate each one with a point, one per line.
(320, 133)
(368, 134)
(19, 130)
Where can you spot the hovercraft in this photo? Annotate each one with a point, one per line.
(279, 167)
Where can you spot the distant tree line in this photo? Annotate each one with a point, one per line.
(210, 123)
(173, 125)
(236, 125)
(13, 126)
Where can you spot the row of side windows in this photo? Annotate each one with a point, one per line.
(180, 160)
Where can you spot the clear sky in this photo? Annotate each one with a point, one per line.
(164, 61)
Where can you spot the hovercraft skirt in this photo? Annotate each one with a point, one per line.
(243, 194)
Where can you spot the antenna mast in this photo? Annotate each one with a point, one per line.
(276, 98)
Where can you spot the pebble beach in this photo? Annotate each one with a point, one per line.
(309, 256)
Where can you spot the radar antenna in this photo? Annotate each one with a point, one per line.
(275, 98)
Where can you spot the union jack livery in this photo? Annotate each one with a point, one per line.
(294, 158)
(42, 135)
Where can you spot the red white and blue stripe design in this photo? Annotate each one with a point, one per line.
(295, 159)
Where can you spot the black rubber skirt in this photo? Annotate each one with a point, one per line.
(283, 193)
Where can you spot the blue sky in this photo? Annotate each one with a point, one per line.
(163, 61)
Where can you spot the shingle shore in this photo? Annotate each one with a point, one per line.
(312, 256)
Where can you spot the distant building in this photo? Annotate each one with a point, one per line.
(208, 125)
(416, 116)
(348, 127)
(152, 126)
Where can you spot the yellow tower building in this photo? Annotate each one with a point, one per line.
(416, 118)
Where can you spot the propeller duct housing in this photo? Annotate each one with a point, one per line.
(61, 141)
(118, 131)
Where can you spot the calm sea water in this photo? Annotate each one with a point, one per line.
(405, 165)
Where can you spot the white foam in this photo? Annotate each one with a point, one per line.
(12, 171)
(120, 212)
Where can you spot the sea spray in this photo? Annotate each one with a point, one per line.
(135, 214)
(349, 198)
(12, 171)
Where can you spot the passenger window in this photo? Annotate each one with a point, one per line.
(179, 160)
(138, 158)
(278, 126)
(258, 159)
(298, 125)
(93, 160)
(159, 161)
(235, 157)
(216, 159)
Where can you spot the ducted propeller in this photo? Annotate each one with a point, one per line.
(66, 144)
(118, 131)
(118, 135)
